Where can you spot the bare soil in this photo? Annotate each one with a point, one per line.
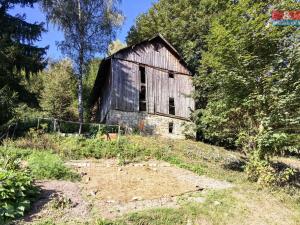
(108, 190)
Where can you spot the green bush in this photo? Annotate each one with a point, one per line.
(261, 171)
(17, 190)
(45, 165)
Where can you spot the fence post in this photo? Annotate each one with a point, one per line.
(13, 135)
(54, 125)
(119, 131)
(38, 123)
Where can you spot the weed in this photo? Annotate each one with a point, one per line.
(17, 191)
(45, 165)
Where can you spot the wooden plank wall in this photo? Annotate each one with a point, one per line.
(126, 81)
(106, 96)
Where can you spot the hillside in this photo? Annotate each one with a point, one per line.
(223, 194)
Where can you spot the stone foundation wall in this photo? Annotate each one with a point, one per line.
(150, 124)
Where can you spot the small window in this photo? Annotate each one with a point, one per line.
(171, 127)
(171, 75)
(143, 75)
(171, 106)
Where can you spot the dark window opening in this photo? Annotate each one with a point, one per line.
(143, 107)
(143, 101)
(143, 93)
(143, 75)
(171, 106)
(171, 127)
(171, 75)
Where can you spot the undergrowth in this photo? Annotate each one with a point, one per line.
(17, 190)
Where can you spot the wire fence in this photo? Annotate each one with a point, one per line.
(52, 125)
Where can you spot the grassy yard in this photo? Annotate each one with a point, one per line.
(244, 203)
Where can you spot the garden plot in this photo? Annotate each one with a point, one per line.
(108, 190)
(116, 190)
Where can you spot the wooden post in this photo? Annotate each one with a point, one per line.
(13, 135)
(38, 124)
(119, 132)
(80, 128)
(54, 125)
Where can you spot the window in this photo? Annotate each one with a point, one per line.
(171, 106)
(143, 93)
(143, 75)
(171, 75)
(171, 127)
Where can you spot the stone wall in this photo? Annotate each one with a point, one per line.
(150, 124)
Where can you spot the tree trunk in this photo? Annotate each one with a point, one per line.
(80, 103)
(81, 62)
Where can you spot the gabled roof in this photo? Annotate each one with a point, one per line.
(157, 37)
(106, 61)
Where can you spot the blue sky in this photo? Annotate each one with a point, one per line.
(131, 9)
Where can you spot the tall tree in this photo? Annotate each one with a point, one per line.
(182, 22)
(18, 55)
(59, 90)
(88, 27)
(250, 79)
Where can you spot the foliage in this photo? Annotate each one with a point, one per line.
(88, 27)
(262, 172)
(18, 56)
(115, 46)
(45, 165)
(7, 104)
(59, 92)
(17, 189)
(249, 78)
(184, 23)
(88, 84)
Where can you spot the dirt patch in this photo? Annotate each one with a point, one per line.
(58, 199)
(108, 190)
(139, 181)
(117, 190)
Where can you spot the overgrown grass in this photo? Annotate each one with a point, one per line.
(41, 164)
(247, 201)
(45, 165)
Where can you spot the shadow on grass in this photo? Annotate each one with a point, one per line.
(294, 179)
(235, 165)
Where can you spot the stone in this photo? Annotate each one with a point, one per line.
(134, 199)
(153, 124)
(110, 201)
(216, 203)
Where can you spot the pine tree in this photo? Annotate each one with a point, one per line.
(18, 54)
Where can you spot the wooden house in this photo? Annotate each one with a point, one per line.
(147, 87)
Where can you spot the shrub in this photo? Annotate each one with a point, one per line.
(45, 165)
(17, 190)
(262, 171)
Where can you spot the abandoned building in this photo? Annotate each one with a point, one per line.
(147, 87)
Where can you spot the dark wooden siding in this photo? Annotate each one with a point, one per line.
(106, 92)
(158, 60)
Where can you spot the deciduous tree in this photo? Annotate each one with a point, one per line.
(88, 27)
